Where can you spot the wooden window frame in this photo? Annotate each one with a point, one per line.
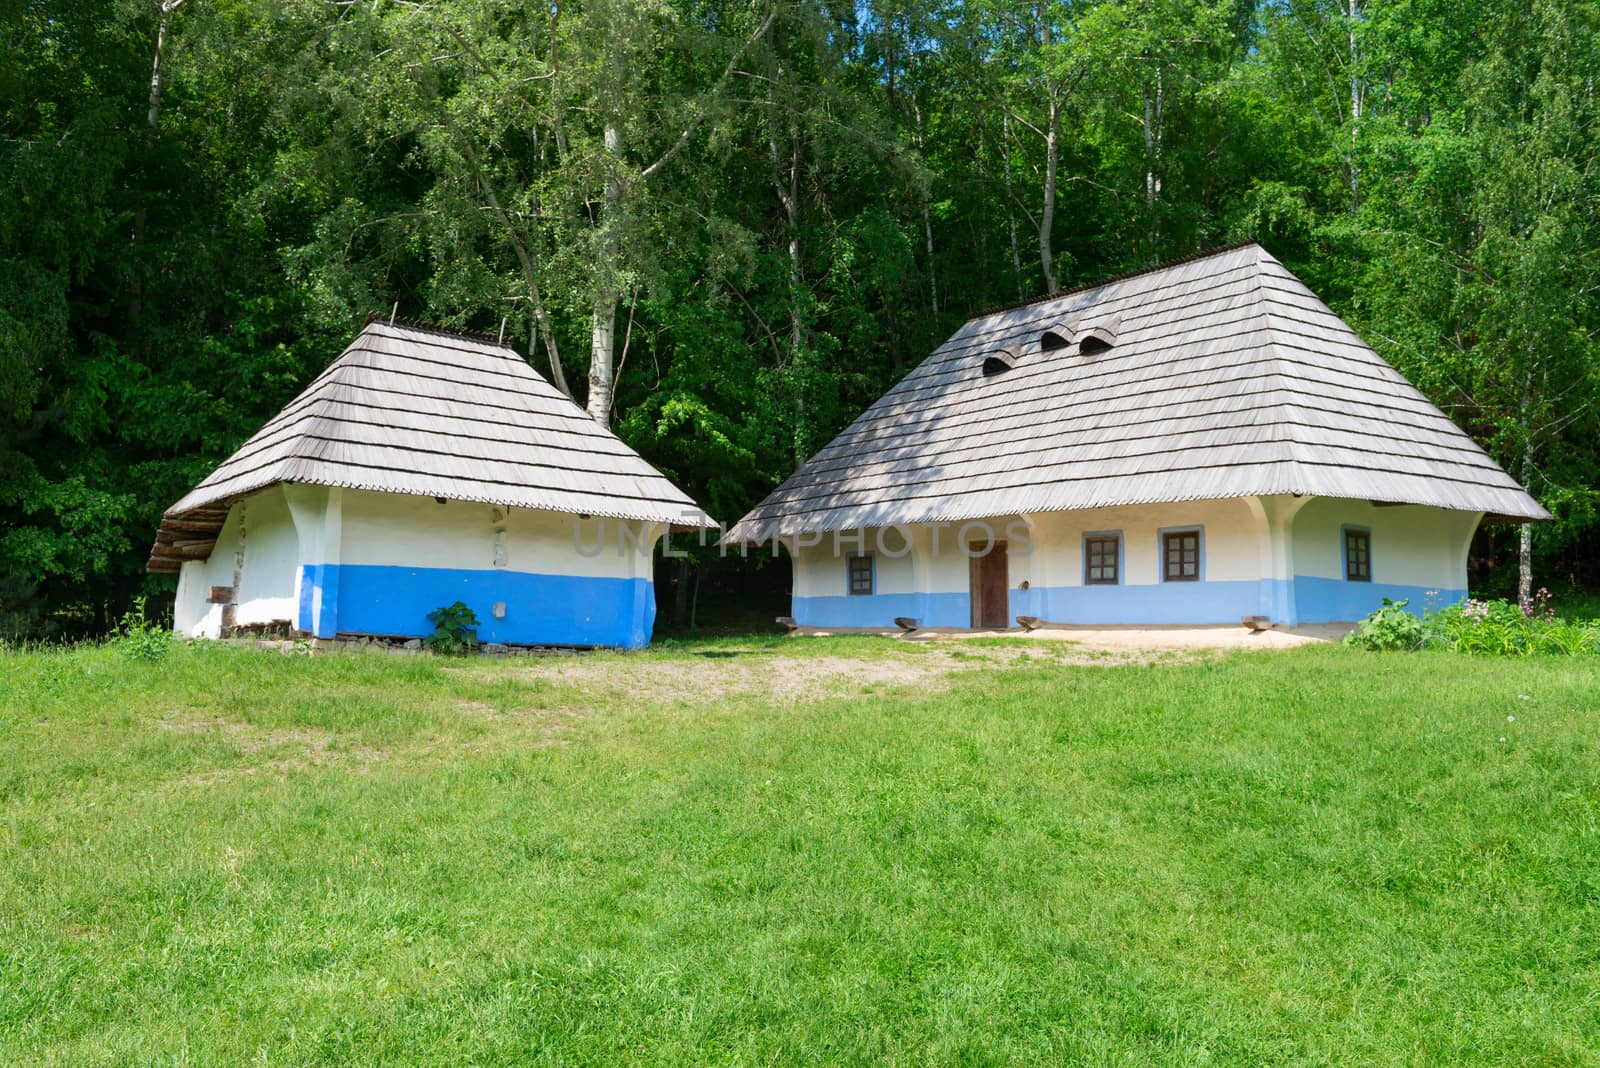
(1365, 534)
(1165, 538)
(1092, 537)
(856, 561)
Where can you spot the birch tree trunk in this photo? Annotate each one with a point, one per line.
(1011, 209)
(134, 306)
(786, 183)
(1153, 104)
(608, 269)
(603, 335)
(1357, 95)
(1525, 535)
(1525, 567)
(927, 224)
(1047, 217)
(156, 73)
(602, 353)
(797, 338)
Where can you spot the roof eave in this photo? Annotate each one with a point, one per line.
(755, 529)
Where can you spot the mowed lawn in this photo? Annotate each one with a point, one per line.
(799, 851)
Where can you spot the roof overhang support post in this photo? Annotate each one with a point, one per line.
(1462, 549)
(1274, 517)
(318, 515)
(921, 567)
(1035, 574)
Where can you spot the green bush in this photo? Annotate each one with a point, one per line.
(1484, 628)
(1480, 628)
(455, 630)
(1564, 638)
(138, 637)
(1389, 628)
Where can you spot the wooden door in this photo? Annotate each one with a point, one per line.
(990, 589)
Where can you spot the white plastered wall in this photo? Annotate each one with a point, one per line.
(394, 530)
(269, 535)
(1232, 542)
(1045, 549)
(918, 558)
(1412, 545)
(256, 554)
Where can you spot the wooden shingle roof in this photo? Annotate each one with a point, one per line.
(412, 409)
(1225, 377)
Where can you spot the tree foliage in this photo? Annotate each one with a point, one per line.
(728, 226)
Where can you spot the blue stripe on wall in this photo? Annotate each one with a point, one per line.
(1306, 600)
(1165, 602)
(1326, 600)
(319, 600)
(305, 617)
(540, 609)
(879, 609)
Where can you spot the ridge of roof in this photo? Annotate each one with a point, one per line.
(1098, 283)
(1275, 360)
(425, 327)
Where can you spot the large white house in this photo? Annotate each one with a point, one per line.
(1197, 443)
(425, 467)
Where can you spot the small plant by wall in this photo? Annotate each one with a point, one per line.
(138, 637)
(1389, 628)
(455, 630)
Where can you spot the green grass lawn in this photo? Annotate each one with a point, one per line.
(1312, 856)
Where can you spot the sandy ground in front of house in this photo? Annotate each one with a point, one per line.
(1132, 638)
(928, 659)
(779, 677)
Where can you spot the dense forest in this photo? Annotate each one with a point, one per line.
(726, 226)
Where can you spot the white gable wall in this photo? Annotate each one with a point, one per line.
(257, 553)
(389, 529)
(330, 561)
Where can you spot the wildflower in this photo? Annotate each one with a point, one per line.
(1511, 719)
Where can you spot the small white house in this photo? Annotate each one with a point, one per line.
(1197, 443)
(425, 467)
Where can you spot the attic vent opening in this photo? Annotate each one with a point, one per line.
(999, 362)
(1055, 338)
(1098, 336)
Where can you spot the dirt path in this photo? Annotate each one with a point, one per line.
(929, 663)
(1133, 640)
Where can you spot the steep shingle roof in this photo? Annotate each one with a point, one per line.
(1226, 377)
(412, 409)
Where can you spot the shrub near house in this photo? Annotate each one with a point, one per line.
(1487, 628)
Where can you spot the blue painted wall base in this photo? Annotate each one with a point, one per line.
(1305, 600)
(540, 609)
(1325, 600)
(879, 610)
